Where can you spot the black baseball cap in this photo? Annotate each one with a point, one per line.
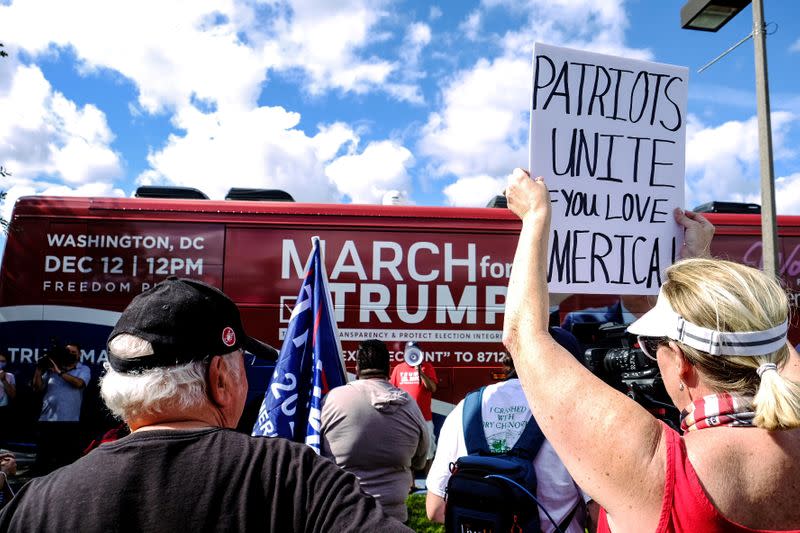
(185, 320)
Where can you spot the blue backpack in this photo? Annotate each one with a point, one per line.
(488, 491)
(493, 493)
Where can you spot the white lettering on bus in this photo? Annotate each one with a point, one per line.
(493, 306)
(389, 301)
(445, 305)
(356, 267)
(378, 307)
(402, 304)
(86, 286)
(338, 294)
(412, 261)
(149, 242)
(450, 262)
(379, 264)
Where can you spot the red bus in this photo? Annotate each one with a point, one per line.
(435, 275)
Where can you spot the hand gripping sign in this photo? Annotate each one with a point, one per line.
(608, 135)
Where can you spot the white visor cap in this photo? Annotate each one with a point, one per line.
(662, 321)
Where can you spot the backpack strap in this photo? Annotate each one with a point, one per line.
(530, 441)
(474, 437)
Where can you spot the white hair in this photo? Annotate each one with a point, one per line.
(157, 390)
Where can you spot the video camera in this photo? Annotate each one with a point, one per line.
(55, 352)
(614, 356)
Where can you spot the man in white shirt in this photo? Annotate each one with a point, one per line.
(505, 413)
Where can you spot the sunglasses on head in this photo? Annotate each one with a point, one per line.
(649, 345)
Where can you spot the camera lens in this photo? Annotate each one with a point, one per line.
(625, 360)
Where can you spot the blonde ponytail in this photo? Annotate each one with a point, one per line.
(777, 400)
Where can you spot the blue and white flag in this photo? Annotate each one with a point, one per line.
(309, 365)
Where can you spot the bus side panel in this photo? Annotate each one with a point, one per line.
(68, 280)
(445, 290)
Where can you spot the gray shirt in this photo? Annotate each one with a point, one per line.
(377, 432)
(62, 401)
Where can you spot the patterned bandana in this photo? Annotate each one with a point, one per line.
(714, 410)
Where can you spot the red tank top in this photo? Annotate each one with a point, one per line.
(686, 508)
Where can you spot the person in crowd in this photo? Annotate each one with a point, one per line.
(624, 310)
(8, 392)
(62, 378)
(420, 382)
(8, 467)
(503, 407)
(176, 376)
(375, 430)
(718, 332)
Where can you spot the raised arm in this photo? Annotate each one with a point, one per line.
(613, 447)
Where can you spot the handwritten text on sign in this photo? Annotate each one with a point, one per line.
(608, 136)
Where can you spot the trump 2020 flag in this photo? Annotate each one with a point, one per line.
(309, 365)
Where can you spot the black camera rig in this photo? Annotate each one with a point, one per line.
(614, 356)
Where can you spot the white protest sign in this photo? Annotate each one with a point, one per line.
(608, 135)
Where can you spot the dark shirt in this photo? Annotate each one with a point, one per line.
(594, 315)
(196, 480)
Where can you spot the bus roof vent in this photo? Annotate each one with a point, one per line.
(498, 201)
(268, 195)
(729, 207)
(159, 191)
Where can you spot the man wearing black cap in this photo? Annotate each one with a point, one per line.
(176, 376)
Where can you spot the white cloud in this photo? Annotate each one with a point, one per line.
(325, 40)
(471, 26)
(417, 37)
(22, 187)
(215, 51)
(45, 135)
(795, 47)
(482, 125)
(180, 55)
(722, 162)
(259, 148)
(213, 156)
(474, 191)
(482, 128)
(366, 177)
(786, 194)
(203, 62)
(434, 13)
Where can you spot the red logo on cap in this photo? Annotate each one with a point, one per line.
(228, 336)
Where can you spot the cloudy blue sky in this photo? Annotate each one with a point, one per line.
(340, 101)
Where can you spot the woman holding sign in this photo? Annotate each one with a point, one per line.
(718, 332)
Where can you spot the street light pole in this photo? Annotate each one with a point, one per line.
(711, 15)
(769, 225)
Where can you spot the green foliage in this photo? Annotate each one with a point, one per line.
(417, 519)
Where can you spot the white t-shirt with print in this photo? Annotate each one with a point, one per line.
(505, 413)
